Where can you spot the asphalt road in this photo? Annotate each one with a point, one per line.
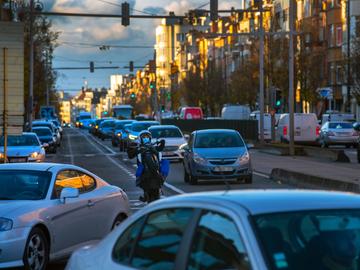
(81, 148)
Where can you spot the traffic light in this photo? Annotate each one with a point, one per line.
(213, 10)
(278, 99)
(91, 66)
(131, 66)
(152, 85)
(132, 96)
(125, 14)
(162, 108)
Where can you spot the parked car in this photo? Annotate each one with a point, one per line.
(173, 140)
(106, 129)
(235, 112)
(306, 128)
(118, 135)
(137, 127)
(49, 124)
(338, 133)
(216, 154)
(188, 113)
(48, 210)
(22, 148)
(125, 137)
(267, 124)
(284, 229)
(47, 138)
(57, 125)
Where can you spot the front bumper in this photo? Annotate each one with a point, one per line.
(12, 245)
(172, 155)
(209, 171)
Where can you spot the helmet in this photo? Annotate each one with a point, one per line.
(145, 137)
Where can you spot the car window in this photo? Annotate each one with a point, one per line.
(21, 140)
(218, 140)
(340, 125)
(160, 239)
(166, 133)
(217, 244)
(125, 243)
(67, 178)
(88, 182)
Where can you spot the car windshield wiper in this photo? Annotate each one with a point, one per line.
(5, 198)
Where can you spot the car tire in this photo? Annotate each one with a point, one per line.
(193, 180)
(114, 144)
(186, 177)
(248, 179)
(323, 144)
(118, 220)
(53, 150)
(36, 250)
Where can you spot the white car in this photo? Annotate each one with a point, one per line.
(22, 148)
(49, 210)
(255, 229)
(173, 140)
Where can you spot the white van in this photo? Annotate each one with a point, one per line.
(267, 124)
(306, 127)
(235, 112)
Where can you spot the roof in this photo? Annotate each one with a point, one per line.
(28, 166)
(163, 126)
(214, 130)
(145, 122)
(270, 201)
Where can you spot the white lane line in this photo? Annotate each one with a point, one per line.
(105, 146)
(173, 188)
(261, 175)
(70, 150)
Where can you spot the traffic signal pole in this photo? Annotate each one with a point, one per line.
(261, 66)
(291, 78)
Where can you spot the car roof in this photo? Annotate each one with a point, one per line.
(41, 127)
(145, 122)
(163, 127)
(273, 201)
(214, 131)
(35, 166)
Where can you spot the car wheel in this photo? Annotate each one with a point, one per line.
(248, 179)
(323, 144)
(53, 150)
(122, 147)
(114, 144)
(36, 253)
(193, 180)
(118, 220)
(186, 177)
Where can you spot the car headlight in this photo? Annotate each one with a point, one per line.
(245, 158)
(34, 155)
(199, 159)
(5, 224)
(119, 134)
(96, 126)
(132, 137)
(2, 155)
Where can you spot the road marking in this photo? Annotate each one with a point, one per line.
(173, 188)
(261, 174)
(70, 150)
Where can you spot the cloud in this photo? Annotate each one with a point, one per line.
(155, 10)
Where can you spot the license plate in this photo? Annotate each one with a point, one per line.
(297, 133)
(17, 160)
(167, 153)
(223, 169)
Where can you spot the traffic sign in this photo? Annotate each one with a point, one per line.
(325, 92)
(47, 112)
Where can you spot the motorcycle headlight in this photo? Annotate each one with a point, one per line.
(34, 155)
(199, 159)
(5, 224)
(244, 159)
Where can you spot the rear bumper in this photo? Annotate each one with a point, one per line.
(210, 171)
(341, 140)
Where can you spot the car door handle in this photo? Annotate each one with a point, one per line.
(90, 203)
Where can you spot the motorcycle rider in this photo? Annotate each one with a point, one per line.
(134, 150)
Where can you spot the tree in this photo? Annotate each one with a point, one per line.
(355, 69)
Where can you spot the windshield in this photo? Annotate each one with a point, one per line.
(340, 125)
(121, 125)
(315, 239)
(122, 113)
(108, 124)
(166, 133)
(218, 140)
(56, 123)
(82, 117)
(142, 126)
(22, 140)
(43, 125)
(24, 185)
(43, 132)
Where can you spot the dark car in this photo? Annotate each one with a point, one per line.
(106, 129)
(216, 154)
(119, 130)
(356, 126)
(46, 137)
(51, 126)
(94, 129)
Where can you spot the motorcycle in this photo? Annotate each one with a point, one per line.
(152, 169)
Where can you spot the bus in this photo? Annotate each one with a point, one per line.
(122, 111)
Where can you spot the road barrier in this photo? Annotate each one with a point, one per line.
(247, 128)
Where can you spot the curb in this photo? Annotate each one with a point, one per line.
(308, 181)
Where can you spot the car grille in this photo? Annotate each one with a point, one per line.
(170, 148)
(343, 133)
(223, 173)
(224, 161)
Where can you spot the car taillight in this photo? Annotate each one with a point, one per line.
(317, 131)
(285, 130)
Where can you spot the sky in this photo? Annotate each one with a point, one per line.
(80, 38)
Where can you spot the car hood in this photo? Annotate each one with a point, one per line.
(220, 152)
(173, 141)
(21, 150)
(12, 209)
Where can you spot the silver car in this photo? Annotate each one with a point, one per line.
(22, 148)
(338, 133)
(282, 229)
(49, 210)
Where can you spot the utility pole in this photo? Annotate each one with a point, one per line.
(5, 131)
(348, 17)
(261, 29)
(156, 106)
(46, 79)
(31, 65)
(291, 77)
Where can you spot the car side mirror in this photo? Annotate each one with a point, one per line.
(187, 137)
(45, 145)
(357, 126)
(67, 193)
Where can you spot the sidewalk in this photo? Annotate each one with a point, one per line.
(345, 172)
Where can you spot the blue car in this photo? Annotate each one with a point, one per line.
(119, 133)
(216, 154)
(139, 126)
(106, 129)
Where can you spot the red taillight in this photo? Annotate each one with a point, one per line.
(285, 131)
(317, 131)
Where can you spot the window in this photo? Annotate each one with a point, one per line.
(339, 36)
(88, 182)
(217, 245)
(331, 35)
(160, 239)
(125, 244)
(68, 178)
